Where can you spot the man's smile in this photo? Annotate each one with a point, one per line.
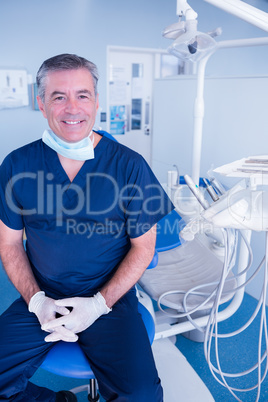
(72, 122)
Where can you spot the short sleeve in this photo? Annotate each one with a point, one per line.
(10, 210)
(145, 200)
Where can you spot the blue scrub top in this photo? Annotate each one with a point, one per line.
(78, 232)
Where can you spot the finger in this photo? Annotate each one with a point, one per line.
(53, 337)
(67, 333)
(53, 324)
(62, 310)
(70, 302)
(57, 337)
(61, 334)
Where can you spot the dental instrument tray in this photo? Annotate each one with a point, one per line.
(253, 167)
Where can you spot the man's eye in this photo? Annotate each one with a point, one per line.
(57, 98)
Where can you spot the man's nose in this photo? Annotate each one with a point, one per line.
(72, 106)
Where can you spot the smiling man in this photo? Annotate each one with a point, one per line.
(73, 180)
(70, 104)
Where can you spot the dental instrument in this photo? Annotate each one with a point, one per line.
(211, 190)
(195, 190)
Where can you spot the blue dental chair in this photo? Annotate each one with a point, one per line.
(67, 359)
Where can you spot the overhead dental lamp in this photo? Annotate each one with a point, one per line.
(189, 43)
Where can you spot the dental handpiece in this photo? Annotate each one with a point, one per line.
(196, 192)
(211, 190)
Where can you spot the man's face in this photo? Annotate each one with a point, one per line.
(70, 104)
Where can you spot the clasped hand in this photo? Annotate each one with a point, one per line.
(45, 310)
(84, 312)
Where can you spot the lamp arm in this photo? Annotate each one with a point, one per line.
(245, 11)
(183, 9)
(198, 119)
(199, 100)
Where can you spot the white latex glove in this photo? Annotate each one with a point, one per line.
(45, 309)
(61, 334)
(85, 311)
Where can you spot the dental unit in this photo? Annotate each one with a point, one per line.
(211, 265)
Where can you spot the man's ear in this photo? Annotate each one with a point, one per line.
(41, 106)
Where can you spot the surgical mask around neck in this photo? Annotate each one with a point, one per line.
(80, 151)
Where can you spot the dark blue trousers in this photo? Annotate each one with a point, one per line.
(116, 345)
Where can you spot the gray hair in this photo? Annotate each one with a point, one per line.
(64, 62)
